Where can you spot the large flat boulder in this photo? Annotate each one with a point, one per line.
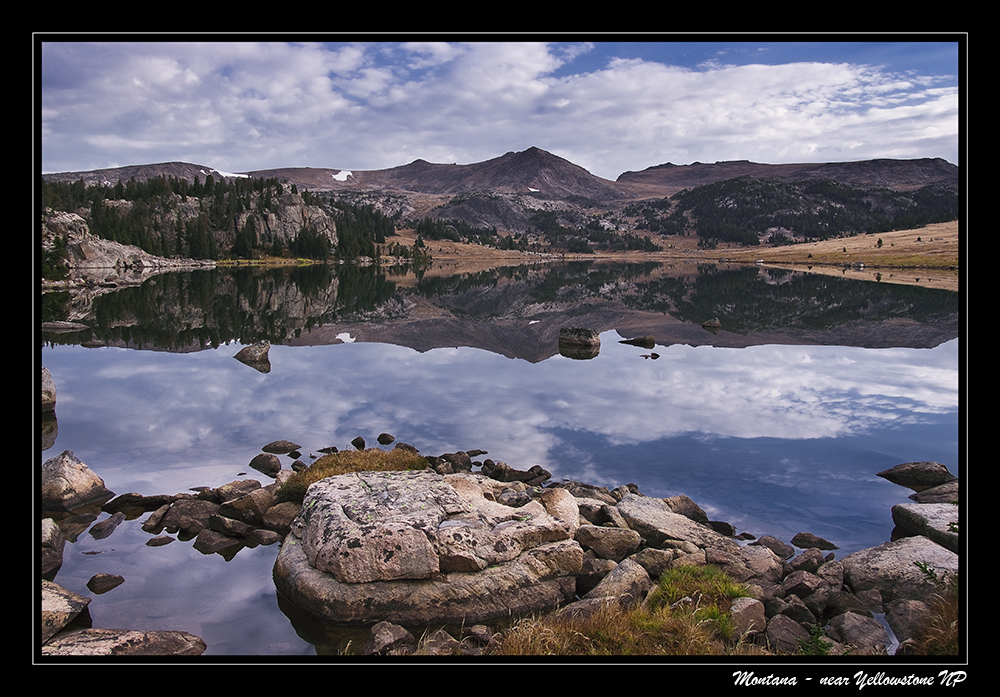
(418, 547)
(894, 568)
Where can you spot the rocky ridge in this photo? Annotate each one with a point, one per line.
(506, 191)
(448, 544)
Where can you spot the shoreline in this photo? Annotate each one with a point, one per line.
(927, 257)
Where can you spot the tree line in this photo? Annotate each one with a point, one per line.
(156, 221)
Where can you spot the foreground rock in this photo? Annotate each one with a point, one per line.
(419, 547)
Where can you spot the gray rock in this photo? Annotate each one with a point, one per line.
(748, 616)
(189, 516)
(801, 583)
(810, 560)
(654, 561)
(891, 568)
(579, 336)
(59, 607)
(280, 447)
(236, 489)
(254, 353)
(866, 634)
(124, 642)
(420, 547)
(906, 618)
(53, 543)
(249, 508)
(782, 549)
(657, 523)
(686, 507)
(608, 543)
(937, 521)
(439, 643)
(806, 540)
(942, 493)
(918, 475)
(785, 634)
(210, 541)
(107, 526)
(626, 585)
(266, 463)
(48, 391)
(68, 484)
(102, 583)
(386, 638)
(593, 572)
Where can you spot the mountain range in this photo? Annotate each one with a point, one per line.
(536, 171)
(510, 192)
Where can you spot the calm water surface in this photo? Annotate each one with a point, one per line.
(775, 439)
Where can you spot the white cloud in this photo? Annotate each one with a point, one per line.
(244, 106)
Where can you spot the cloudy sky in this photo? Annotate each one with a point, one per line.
(607, 106)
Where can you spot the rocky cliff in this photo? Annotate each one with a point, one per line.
(93, 260)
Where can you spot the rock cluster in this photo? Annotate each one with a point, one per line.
(396, 551)
(334, 566)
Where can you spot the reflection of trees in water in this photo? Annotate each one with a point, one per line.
(183, 310)
(750, 299)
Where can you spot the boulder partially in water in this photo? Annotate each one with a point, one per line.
(68, 484)
(417, 547)
(918, 475)
(256, 356)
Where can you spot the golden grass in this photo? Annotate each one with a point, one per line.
(659, 627)
(940, 636)
(369, 460)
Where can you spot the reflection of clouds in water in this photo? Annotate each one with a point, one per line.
(207, 403)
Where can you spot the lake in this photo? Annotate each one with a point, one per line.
(777, 423)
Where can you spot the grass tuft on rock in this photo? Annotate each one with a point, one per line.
(665, 625)
(370, 460)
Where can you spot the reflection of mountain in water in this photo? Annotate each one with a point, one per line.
(513, 311)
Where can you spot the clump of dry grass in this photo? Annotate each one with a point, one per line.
(370, 460)
(662, 626)
(940, 635)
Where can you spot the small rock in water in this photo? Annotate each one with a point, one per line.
(579, 336)
(106, 527)
(806, 540)
(102, 583)
(255, 356)
(279, 447)
(267, 463)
